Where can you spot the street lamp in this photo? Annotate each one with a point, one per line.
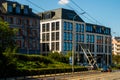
(73, 41)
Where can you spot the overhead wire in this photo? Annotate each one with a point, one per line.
(79, 12)
(35, 5)
(85, 11)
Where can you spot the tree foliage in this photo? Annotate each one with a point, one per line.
(7, 47)
(116, 59)
(58, 57)
(6, 36)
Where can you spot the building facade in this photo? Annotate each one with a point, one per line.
(62, 29)
(21, 17)
(116, 45)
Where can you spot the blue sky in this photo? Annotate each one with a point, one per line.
(105, 11)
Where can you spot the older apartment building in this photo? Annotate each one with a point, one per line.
(21, 17)
(116, 45)
(60, 29)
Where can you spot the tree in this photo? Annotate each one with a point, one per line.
(7, 46)
(116, 59)
(58, 57)
(6, 36)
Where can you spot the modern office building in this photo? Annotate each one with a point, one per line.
(28, 24)
(62, 29)
(116, 45)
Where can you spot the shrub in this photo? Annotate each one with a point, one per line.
(39, 58)
(58, 57)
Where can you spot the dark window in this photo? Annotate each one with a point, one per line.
(11, 20)
(57, 35)
(47, 27)
(53, 26)
(25, 10)
(90, 38)
(43, 37)
(99, 39)
(57, 25)
(43, 27)
(99, 48)
(53, 36)
(53, 46)
(19, 21)
(57, 45)
(47, 16)
(65, 25)
(47, 37)
(17, 9)
(10, 8)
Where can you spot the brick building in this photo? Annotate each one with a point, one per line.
(28, 24)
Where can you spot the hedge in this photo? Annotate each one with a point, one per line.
(43, 71)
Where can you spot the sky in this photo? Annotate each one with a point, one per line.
(106, 12)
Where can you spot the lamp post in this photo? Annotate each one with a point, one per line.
(73, 41)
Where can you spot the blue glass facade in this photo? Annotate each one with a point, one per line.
(97, 29)
(67, 36)
(90, 38)
(79, 27)
(79, 37)
(68, 26)
(67, 46)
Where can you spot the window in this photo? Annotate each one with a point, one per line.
(43, 27)
(57, 25)
(34, 33)
(17, 9)
(25, 10)
(90, 47)
(19, 21)
(81, 38)
(47, 27)
(11, 20)
(65, 25)
(65, 36)
(34, 44)
(53, 26)
(99, 48)
(70, 37)
(57, 45)
(57, 35)
(53, 46)
(43, 37)
(53, 36)
(28, 22)
(82, 27)
(71, 26)
(47, 37)
(77, 28)
(10, 8)
(47, 16)
(90, 38)
(65, 46)
(99, 39)
(89, 28)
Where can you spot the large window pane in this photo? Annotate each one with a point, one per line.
(57, 35)
(47, 27)
(43, 27)
(53, 26)
(57, 25)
